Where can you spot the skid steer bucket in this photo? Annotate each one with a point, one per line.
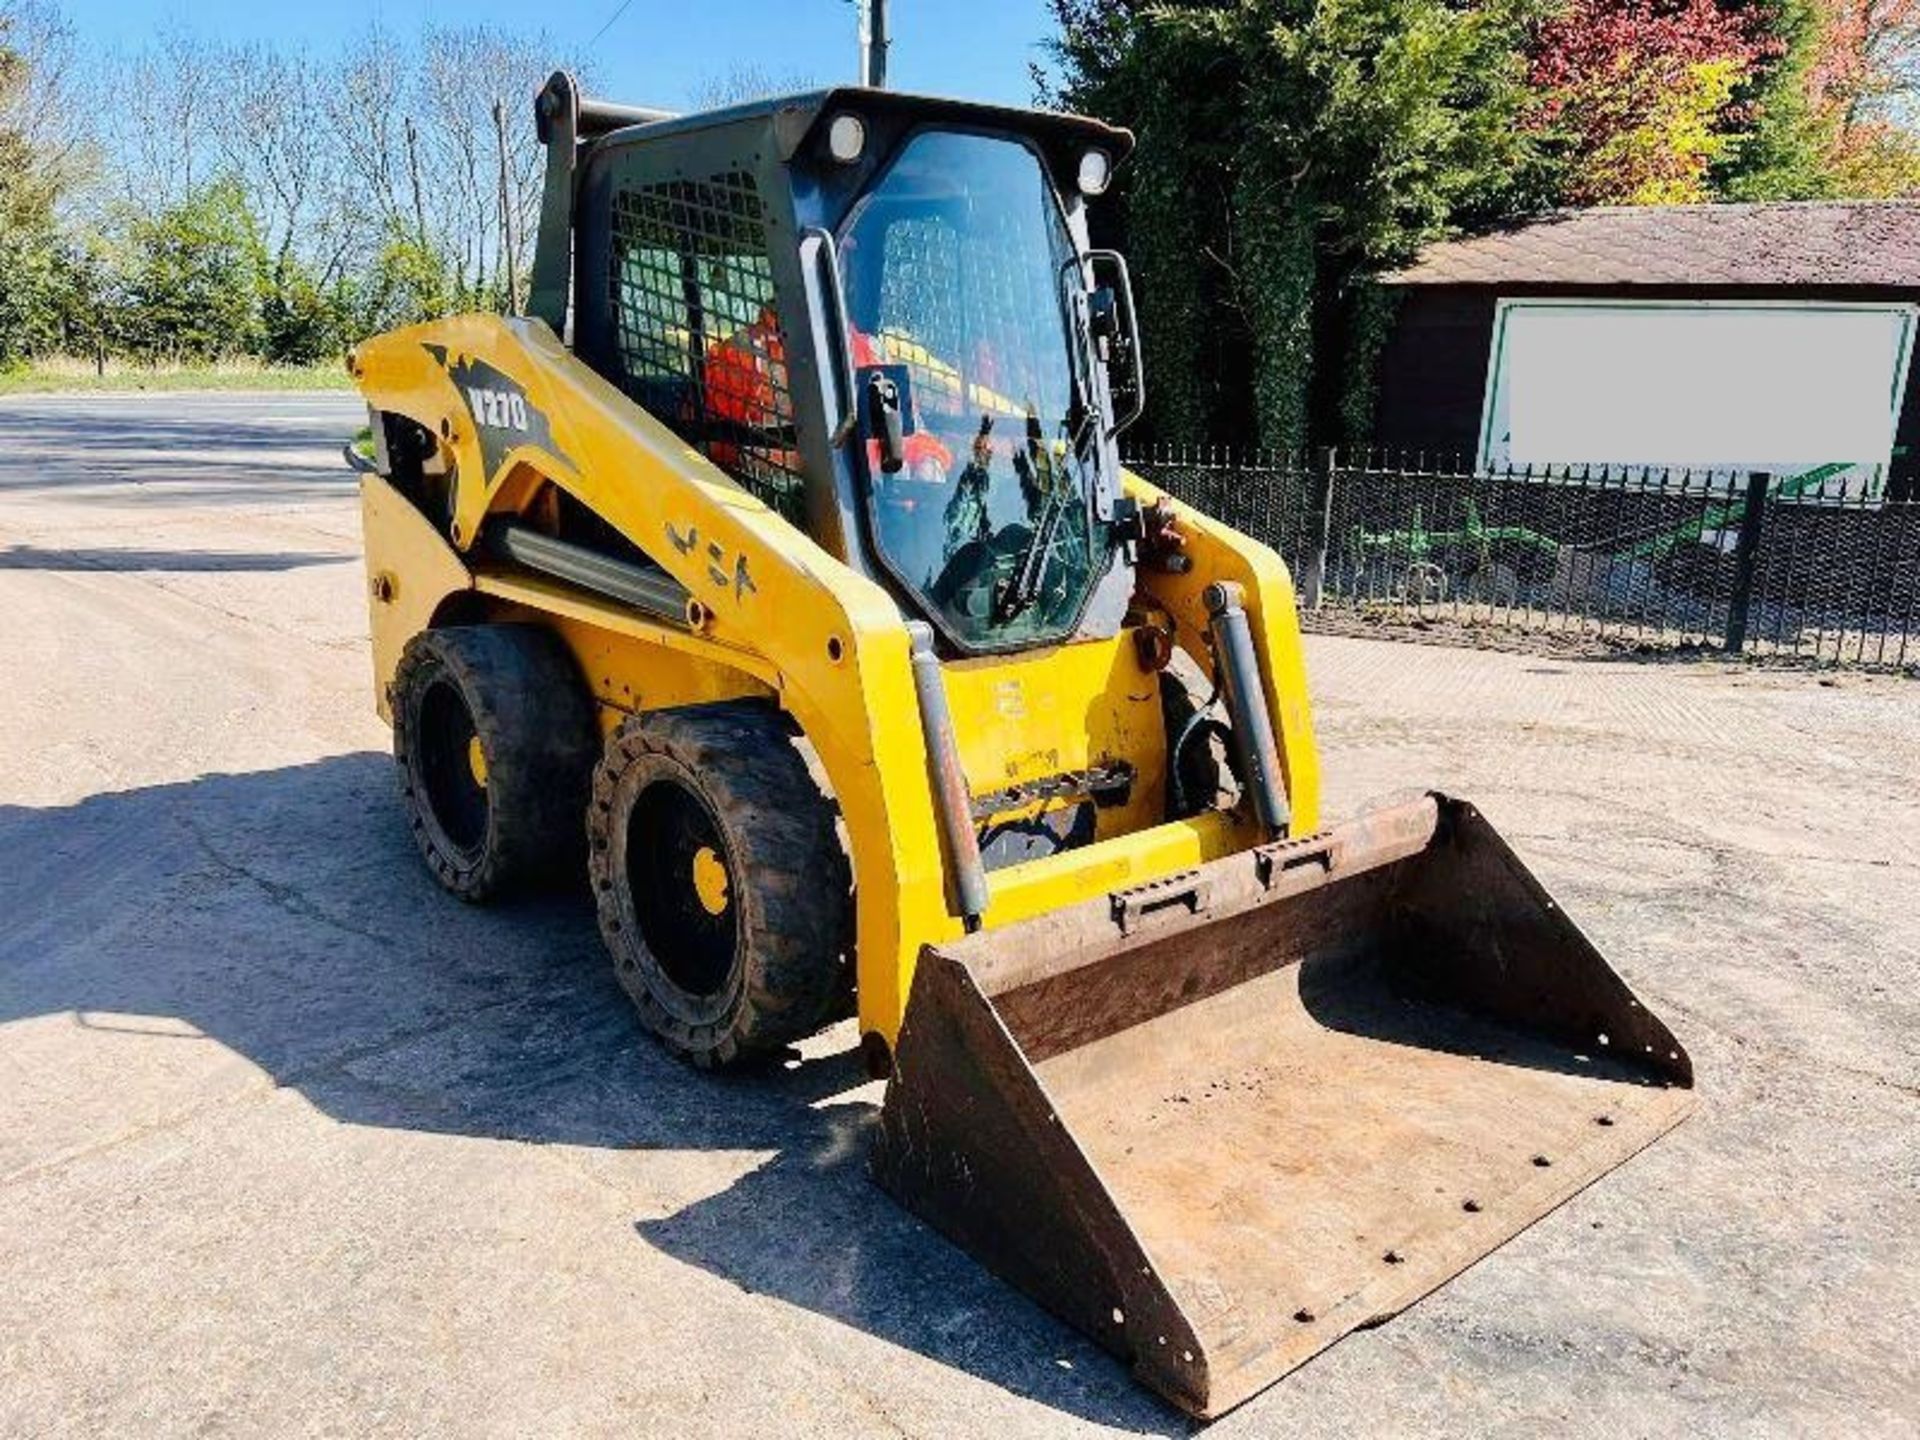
(1220, 1121)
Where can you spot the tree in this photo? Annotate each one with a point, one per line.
(1829, 112)
(465, 72)
(192, 279)
(409, 282)
(156, 114)
(1787, 152)
(259, 199)
(1288, 149)
(1635, 95)
(303, 322)
(1865, 80)
(29, 294)
(743, 81)
(266, 138)
(37, 163)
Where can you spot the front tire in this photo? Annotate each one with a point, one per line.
(724, 894)
(494, 736)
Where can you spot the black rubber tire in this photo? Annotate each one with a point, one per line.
(526, 703)
(788, 882)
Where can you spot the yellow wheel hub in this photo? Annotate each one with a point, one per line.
(710, 880)
(477, 762)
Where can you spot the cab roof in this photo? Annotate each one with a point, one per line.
(799, 119)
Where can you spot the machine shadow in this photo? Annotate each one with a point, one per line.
(285, 915)
(810, 1229)
(1387, 998)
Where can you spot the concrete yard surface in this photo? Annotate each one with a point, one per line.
(293, 1143)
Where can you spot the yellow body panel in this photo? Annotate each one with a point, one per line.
(1020, 718)
(630, 663)
(410, 573)
(1040, 886)
(787, 621)
(1218, 552)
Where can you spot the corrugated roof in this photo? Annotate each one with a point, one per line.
(1859, 242)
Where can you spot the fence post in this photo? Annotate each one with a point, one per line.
(1746, 552)
(1321, 516)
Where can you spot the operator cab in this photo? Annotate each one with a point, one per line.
(880, 314)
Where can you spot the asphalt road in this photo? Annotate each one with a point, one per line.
(292, 1143)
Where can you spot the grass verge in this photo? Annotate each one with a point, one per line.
(79, 377)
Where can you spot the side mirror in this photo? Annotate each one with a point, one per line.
(1115, 326)
(884, 423)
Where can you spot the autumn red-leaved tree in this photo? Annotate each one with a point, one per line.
(1868, 62)
(1640, 95)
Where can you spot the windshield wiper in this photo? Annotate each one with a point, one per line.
(1016, 594)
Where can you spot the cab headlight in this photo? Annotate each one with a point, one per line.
(846, 138)
(1096, 169)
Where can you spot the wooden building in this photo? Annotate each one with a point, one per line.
(1722, 310)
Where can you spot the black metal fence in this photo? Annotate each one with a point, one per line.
(1822, 566)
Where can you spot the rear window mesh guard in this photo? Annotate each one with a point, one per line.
(699, 340)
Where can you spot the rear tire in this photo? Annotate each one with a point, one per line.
(724, 894)
(495, 739)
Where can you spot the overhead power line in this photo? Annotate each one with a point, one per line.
(618, 11)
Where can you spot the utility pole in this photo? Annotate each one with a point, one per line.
(506, 210)
(873, 42)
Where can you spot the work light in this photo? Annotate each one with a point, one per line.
(1095, 170)
(846, 138)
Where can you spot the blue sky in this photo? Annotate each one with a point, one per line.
(658, 51)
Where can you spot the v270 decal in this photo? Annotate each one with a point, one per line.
(504, 419)
(499, 409)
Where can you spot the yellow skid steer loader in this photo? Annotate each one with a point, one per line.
(778, 568)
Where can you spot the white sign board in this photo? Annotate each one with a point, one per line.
(1787, 387)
